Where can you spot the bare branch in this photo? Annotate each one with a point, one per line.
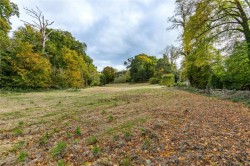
(224, 31)
(49, 33)
(215, 26)
(40, 23)
(27, 23)
(247, 2)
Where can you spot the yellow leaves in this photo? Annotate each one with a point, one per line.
(87, 163)
(168, 150)
(74, 68)
(32, 70)
(144, 58)
(7, 10)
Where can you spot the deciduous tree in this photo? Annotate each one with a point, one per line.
(7, 9)
(142, 68)
(226, 18)
(25, 69)
(109, 73)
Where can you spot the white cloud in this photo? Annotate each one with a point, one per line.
(114, 30)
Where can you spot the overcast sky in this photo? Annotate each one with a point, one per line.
(113, 30)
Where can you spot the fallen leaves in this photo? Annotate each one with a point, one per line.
(156, 126)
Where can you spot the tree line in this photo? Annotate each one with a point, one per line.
(37, 56)
(215, 48)
(215, 42)
(146, 68)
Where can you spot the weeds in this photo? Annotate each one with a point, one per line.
(60, 163)
(18, 146)
(58, 149)
(75, 141)
(73, 90)
(104, 112)
(50, 114)
(18, 131)
(146, 145)
(126, 125)
(127, 135)
(11, 115)
(91, 140)
(96, 151)
(66, 124)
(22, 156)
(110, 118)
(21, 123)
(55, 130)
(44, 138)
(115, 138)
(78, 131)
(143, 132)
(126, 162)
(68, 134)
(115, 104)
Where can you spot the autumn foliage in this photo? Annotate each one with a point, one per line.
(64, 65)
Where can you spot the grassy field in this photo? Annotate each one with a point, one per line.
(122, 125)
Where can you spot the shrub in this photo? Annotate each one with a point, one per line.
(102, 80)
(123, 78)
(120, 79)
(181, 84)
(167, 80)
(109, 73)
(215, 82)
(154, 80)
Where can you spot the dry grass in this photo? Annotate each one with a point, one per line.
(119, 124)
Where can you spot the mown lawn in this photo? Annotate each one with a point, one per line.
(122, 125)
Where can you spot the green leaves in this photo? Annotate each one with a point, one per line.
(64, 65)
(142, 68)
(237, 73)
(26, 69)
(109, 73)
(7, 9)
(58, 149)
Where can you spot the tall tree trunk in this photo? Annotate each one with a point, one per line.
(43, 43)
(245, 25)
(247, 36)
